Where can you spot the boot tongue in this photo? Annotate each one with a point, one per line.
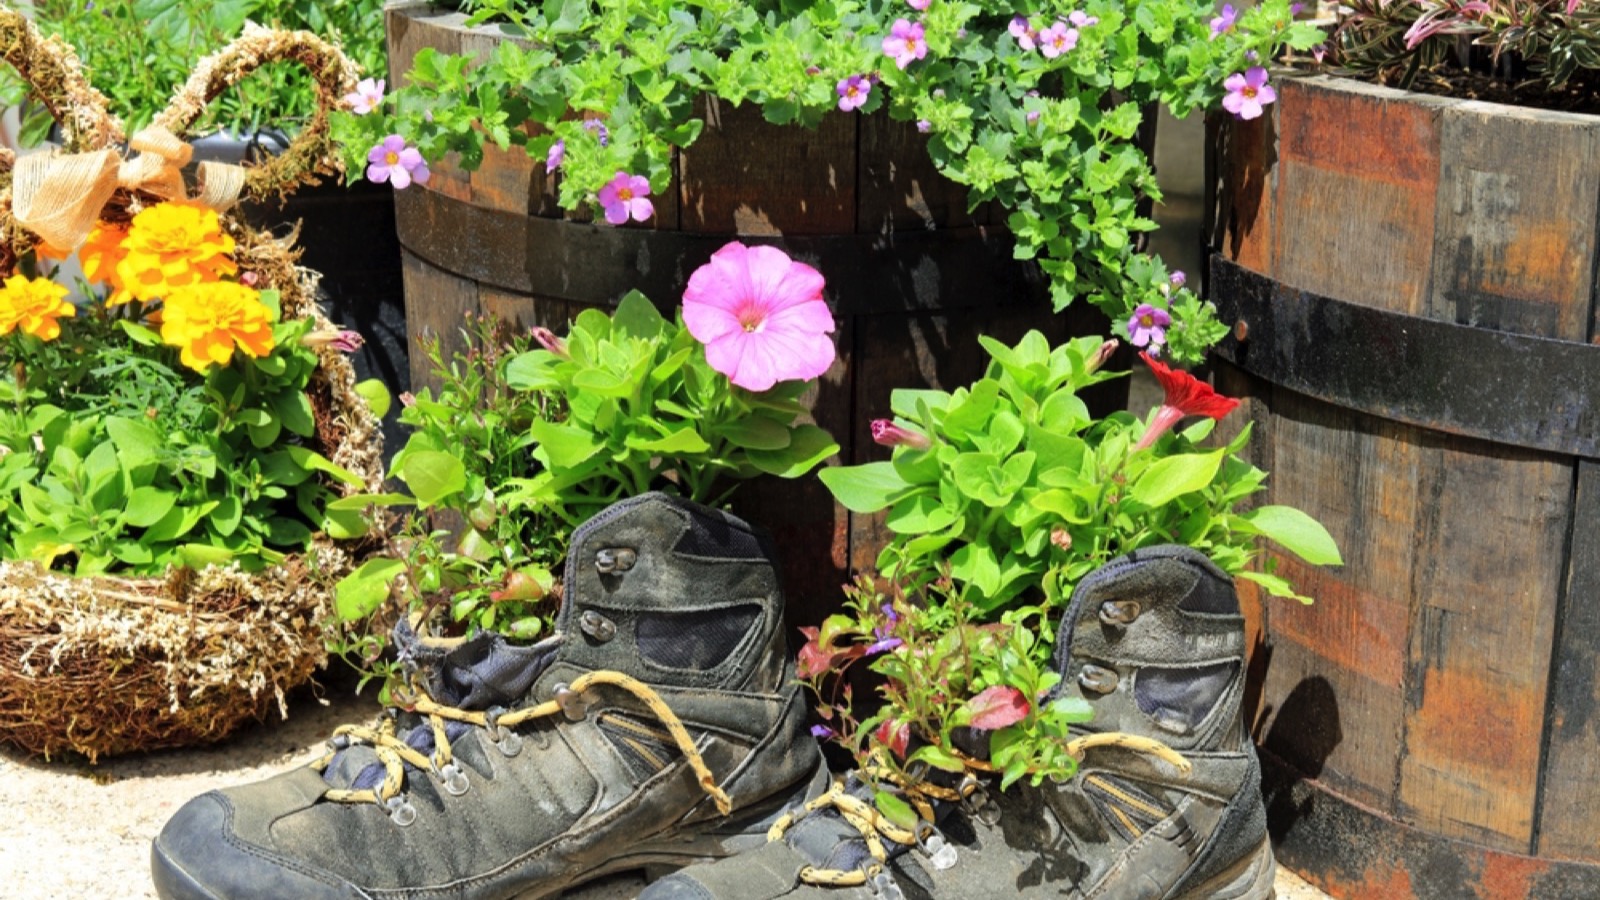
(481, 673)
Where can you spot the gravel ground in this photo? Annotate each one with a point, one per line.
(72, 830)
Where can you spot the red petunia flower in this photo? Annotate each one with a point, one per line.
(1186, 396)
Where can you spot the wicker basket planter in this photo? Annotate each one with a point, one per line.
(106, 665)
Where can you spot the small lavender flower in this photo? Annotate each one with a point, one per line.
(822, 732)
(853, 92)
(1057, 39)
(919, 5)
(1177, 278)
(1148, 327)
(599, 129)
(924, 126)
(1022, 29)
(1225, 21)
(1081, 19)
(905, 42)
(393, 161)
(553, 159)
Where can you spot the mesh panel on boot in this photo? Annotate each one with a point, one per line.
(714, 538)
(1211, 595)
(645, 748)
(697, 640)
(1185, 694)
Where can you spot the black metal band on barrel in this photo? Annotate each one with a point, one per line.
(1511, 389)
(903, 271)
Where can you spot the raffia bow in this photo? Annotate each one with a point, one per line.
(59, 197)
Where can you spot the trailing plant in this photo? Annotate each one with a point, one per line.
(130, 441)
(1000, 497)
(532, 434)
(1538, 52)
(1034, 104)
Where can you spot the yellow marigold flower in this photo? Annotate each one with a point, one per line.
(33, 305)
(170, 246)
(206, 321)
(100, 254)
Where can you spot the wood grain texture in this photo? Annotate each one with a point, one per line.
(436, 302)
(1571, 788)
(1518, 203)
(747, 176)
(1357, 176)
(899, 188)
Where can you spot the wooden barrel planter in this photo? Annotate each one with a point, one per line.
(1414, 284)
(913, 277)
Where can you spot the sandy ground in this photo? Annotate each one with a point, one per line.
(71, 830)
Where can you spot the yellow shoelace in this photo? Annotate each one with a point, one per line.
(874, 826)
(394, 752)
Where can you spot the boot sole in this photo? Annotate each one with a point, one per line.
(1251, 878)
(661, 856)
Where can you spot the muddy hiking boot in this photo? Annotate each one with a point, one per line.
(1166, 802)
(660, 724)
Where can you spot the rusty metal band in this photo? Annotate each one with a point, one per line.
(897, 272)
(1512, 389)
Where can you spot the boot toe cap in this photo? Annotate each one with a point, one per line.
(197, 856)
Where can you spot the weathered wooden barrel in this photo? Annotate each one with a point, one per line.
(913, 277)
(1414, 284)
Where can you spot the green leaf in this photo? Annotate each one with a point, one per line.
(866, 488)
(895, 809)
(755, 433)
(313, 461)
(148, 505)
(1170, 478)
(362, 501)
(198, 556)
(684, 440)
(138, 442)
(637, 317)
(294, 412)
(938, 757)
(139, 334)
(377, 396)
(808, 446)
(433, 475)
(225, 518)
(919, 514)
(976, 565)
(264, 434)
(361, 592)
(564, 447)
(598, 382)
(1296, 532)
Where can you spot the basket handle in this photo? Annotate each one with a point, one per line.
(312, 152)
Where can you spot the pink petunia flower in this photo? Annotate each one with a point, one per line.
(392, 161)
(1224, 22)
(1148, 327)
(1022, 29)
(853, 92)
(905, 42)
(760, 315)
(1248, 93)
(1057, 39)
(627, 197)
(367, 96)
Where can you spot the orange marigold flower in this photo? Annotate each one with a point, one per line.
(171, 246)
(33, 305)
(46, 250)
(206, 321)
(100, 254)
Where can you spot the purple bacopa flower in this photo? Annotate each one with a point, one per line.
(1057, 39)
(599, 129)
(1032, 116)
(392, 161)
(905, 42)
(1248, 93)
(627, 197)
(1177, 278)
(1225, 21)
(919, 5)
(822, 732)
(1148, 327)
(553, 159)
(924, 126)
(1024, 32)
(853, 92)
(367, 96)
(1081, 19)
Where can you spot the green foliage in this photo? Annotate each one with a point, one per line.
(523, 443)
(1017, 496)
(138, 52)
(1053, 139)
(1539, 52)
(116, 458)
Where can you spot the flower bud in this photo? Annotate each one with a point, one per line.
(343, 340)
(1061, 538)
(548, 340)
(1102, 354)
(889, 434)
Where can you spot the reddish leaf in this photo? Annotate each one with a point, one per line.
(997, 707)
(894, 735)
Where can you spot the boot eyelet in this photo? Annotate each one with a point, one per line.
(572, 703)
(508, 742)
(400, 811)
(455, 780)
(1119, 612)
(597, 626)
(1097, 678)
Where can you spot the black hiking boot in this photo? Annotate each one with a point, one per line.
(660, 724)
(1166, 803)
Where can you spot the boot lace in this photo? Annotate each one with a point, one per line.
(875, 827)
(394, 753)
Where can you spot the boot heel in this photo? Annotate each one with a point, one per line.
(1251, 878)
